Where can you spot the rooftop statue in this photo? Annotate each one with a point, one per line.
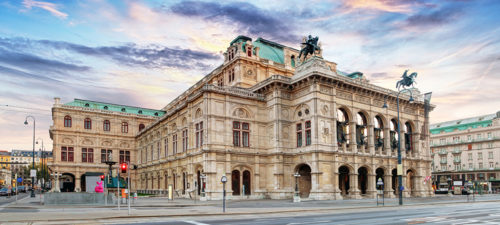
(310, 46)
(407, 81)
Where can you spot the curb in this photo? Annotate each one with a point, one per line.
(246, 213)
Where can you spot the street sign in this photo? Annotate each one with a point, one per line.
(19, 179)
(380, 182)
(32, 173)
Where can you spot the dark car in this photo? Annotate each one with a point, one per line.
(465, 192)
(4, 192)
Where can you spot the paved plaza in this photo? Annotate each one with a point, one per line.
(159, 210)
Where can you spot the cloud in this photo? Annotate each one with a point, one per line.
(435, 17)
(51, 7)
(249, 19)
(380, 5)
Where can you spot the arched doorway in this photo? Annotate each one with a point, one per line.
(379, 175)
(184, 183)
(198, 182)
(235, 182)
(395, 181)
(410, 181)
(363, 179)
(67, 182)
(344, 180)
(246, 183)
(304, 180)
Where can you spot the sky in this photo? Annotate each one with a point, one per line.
(146, 53)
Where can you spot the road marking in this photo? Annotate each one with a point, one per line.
(194, 222)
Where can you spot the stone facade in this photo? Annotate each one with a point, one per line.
(82, 125)
(467, 150)
(262, 116)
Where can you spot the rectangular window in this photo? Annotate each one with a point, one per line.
(490, 155)
(199, 134)
(470, 166)
(470, 156)
(88, 155)
(443, 167)
(65, 154)
(166, 146)
(245, 134)
(469, 138)
(124, 156)
(158, 147)
(184, 140)
(308, 133)
(236, 133)
(479, 156)
(490, 145)
(478, 137)
(489, 135)
(480, 165)
(491, 165)
(174, 144)
(106, 155)
(456, 139)
(299, 135)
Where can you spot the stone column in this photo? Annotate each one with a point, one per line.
(78, 184)
(337, 193)
(353, 189)
(371, 190)
(388, 192)
(352, 133)
(370, 139)
(387, 141)
(406, 191)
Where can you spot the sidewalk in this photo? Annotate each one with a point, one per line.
(30, 209)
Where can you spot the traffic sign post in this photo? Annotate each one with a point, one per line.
(380, 191)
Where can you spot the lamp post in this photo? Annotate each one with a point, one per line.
(223, 179)
(32, 178)
(400, 165)
(42, 164)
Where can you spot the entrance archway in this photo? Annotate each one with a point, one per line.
(304, 180)
(246, 183)
(67, 182)
(410, 181)
(344, 180)
(363, 179)
(379, 174)
(235, 182)
(395, 181)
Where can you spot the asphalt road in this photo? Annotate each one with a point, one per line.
(477, 213)
(6, 200)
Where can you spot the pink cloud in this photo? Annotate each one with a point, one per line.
(51, 7)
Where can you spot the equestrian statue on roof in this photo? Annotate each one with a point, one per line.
(309, 46)
(407, 81)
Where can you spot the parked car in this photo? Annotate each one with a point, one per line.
(22, 189)
(4, 192)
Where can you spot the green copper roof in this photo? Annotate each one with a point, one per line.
(240, 38)
(462, 124)
(270, 50)
(115, 108)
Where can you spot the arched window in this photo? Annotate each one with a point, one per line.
(141, 127)
(67, 121)
(292, 59)
(394, 134)
(342, 127)
(106, 126)
(361, 131)
(408, 137)
(87, 123)
(124, 127)
(379, 132)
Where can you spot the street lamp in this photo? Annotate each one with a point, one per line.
(296, 175)
(32, 178)
(42, 164)
(223, 179)
(400, 165)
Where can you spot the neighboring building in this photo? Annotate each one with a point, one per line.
(258, 119)
(467, 150)
(4, 160)
(85, 134)
(5, 177)
(23, 158)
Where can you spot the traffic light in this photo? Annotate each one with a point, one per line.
(102, 177)
(123, 167)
